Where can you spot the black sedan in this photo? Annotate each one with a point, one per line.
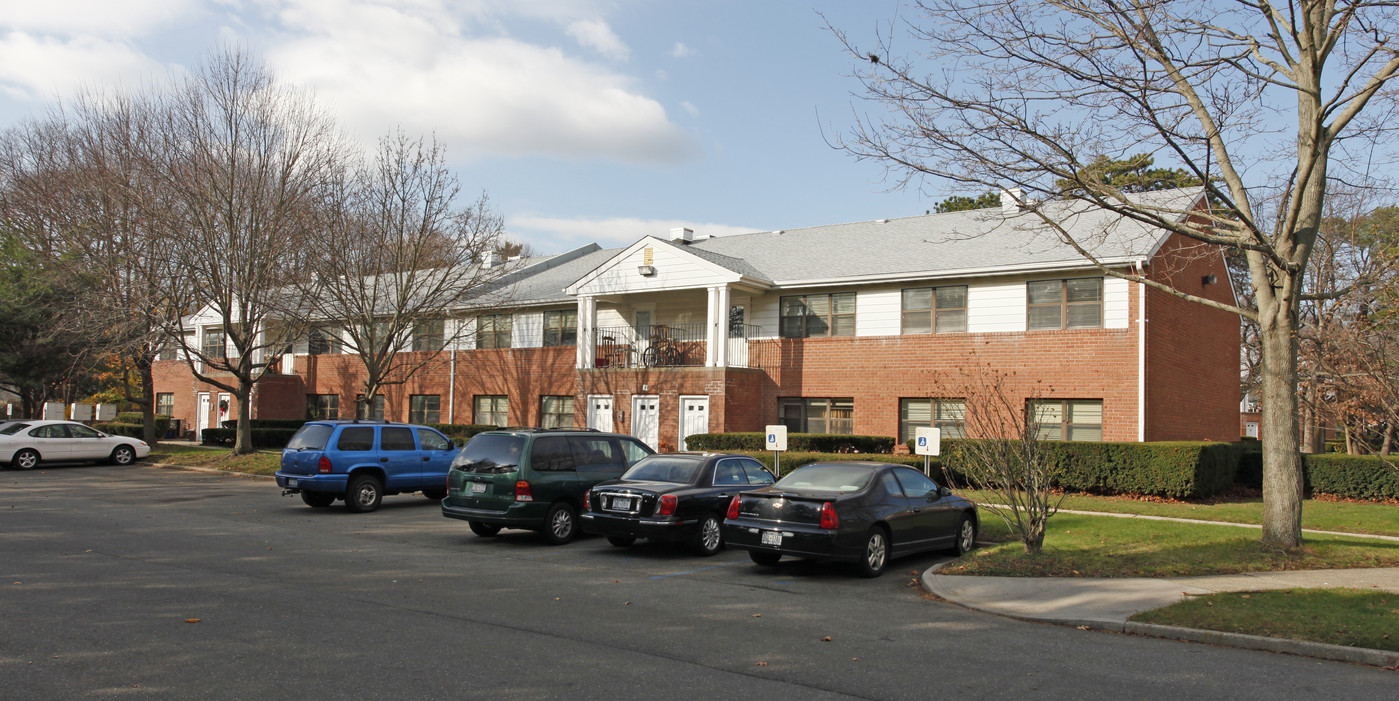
(675, 497)
(862, 512)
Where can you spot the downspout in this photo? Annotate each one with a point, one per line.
(452, 384)
(1141, 357)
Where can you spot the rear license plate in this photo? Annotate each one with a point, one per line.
(772, 538)
(291, 482)
(621, 503)
(478, 487)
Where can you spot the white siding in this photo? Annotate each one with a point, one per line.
(465, 333)
(527, 330)
(1115, 302)
(675, 270)
(878, 311)
(612, 317)
(996, 306)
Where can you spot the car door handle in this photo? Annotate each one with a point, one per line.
(383, 459)
(426, 458)
(916, 510)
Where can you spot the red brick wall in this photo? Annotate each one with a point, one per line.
(1192, 351)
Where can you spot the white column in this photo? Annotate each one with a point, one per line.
(587, 321)
(721, 302)
(711, 329)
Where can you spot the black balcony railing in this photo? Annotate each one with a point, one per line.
(666, 345)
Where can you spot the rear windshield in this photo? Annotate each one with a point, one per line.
(828, 478)
(12, 429)
(490, 453)
(664, 469)
(310, 437)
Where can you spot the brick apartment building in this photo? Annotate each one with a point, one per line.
(864, 328)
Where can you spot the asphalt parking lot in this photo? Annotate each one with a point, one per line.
(141, 581)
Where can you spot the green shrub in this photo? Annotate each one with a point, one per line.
(1353, 476)
(796, 442)
(113, 428)
(267, 423)
(162, 423)
(463, 431)
(269, 438)
(1250, 472)
(791, 460)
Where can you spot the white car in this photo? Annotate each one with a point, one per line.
(24, 444)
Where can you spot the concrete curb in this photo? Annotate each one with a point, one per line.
(210, 470)
(1325, 651)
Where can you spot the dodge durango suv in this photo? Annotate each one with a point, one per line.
(363, 461)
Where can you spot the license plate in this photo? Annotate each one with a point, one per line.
(478, 487)
(291, 483)
(621, 503)
(772, 538)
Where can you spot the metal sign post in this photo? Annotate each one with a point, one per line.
(777, 442)
(927, 441)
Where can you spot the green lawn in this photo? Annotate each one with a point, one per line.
(1345, 517)
(1097, 546)
(1360, 618)
(259, 463)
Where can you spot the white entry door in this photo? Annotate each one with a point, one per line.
(205, 408)
(694, 418)
(646, 420)
(600, 412)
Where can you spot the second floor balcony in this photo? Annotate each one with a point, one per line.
(668, 345)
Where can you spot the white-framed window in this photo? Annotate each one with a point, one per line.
(1065, 304)
(492, 410)
(1067, 419)
(556, 411)
(561, 328)
(493, 330)
(817, 315)
(935, 309)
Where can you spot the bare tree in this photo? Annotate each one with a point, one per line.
(245, 161)
(1262, 101)
(394, 256)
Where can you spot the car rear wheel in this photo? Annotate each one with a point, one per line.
(318, 500)
(561, 525)
(363, 494)
(123, 455)
(437, 494)
(966, 535)
(709, 539)
(25, 459)
(876, 553)
(621, 541)
(484, 530)
(766, 559)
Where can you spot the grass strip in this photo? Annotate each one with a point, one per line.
(1351, 617)
(1092, 546)
(258, 463)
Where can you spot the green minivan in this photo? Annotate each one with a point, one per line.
(534, 478)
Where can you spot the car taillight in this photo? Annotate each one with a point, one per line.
(523, 491)
(668, 502)
(588, 500)
(323, 466)
(829, 519)
(733, 507)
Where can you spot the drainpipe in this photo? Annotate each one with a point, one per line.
(1141, 357)
(452, 383)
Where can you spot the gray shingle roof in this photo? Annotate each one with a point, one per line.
(941, 243)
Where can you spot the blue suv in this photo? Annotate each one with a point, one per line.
(361, 461)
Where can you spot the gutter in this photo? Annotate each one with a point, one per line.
(1141, 355)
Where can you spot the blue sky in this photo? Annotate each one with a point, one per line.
(585, 120)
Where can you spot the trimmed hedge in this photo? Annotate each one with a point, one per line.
(127, 418)
(267, 423)
(463, 431)
(1353, 476)
(791, 460)
(835, 443)
(272, 438)
(113, 428)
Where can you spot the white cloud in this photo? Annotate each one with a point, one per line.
(680, 50)
(558, 234)
(690, 108)
(596, 35)
(37, 68)
(108, 18)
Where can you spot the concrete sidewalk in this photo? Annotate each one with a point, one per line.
(1107, 603)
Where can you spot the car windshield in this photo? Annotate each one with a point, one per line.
(663, 469)
(12, 429)
(310, 437)
(827, 478)
(490, 453)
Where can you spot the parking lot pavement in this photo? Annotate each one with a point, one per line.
(141, 581)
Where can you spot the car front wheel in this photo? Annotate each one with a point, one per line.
(25, 460)
(364, 494)
(561, 525)
(966, 535)
(876, 553)
(123, 455)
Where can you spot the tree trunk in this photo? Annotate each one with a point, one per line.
(143, 369)
(1282, 462)
(1388, 438)
(243, 443)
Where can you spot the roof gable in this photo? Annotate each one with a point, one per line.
(668, 267)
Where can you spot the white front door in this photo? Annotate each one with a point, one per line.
(646, 420)
(205, 408)
(600, 412)
(694, 418)
(225, 403)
